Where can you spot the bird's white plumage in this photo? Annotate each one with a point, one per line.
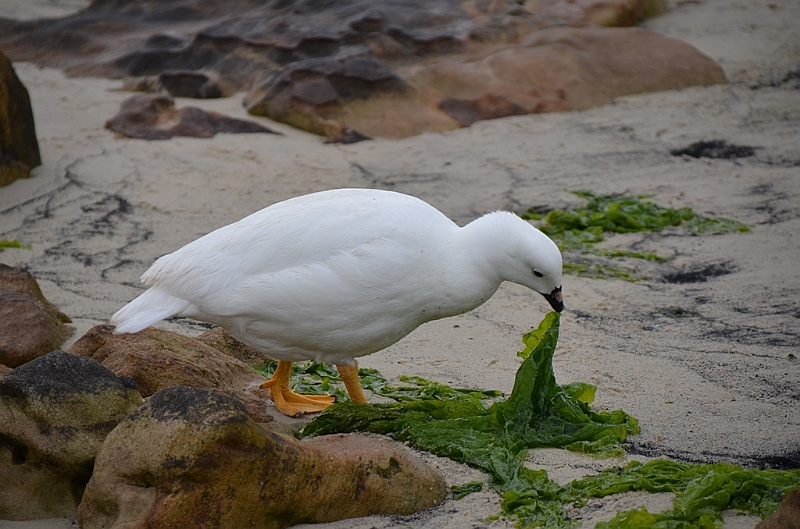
(339, 274)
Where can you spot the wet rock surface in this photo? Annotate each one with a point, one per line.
(154, 117)
(356, 69)
(19, 149)
(30, 326)
(157, 358)
(189, 454)
(55, 412)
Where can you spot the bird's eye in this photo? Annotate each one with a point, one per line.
(537, 273)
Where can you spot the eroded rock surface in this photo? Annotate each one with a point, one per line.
(154, 117)
(19, 149)
(55, 412)
(157, 358)
(354, 69)
(30, 326)
(190, 457)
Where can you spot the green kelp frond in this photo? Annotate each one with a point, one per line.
(494, 438)
(578, 231)
(5, 243)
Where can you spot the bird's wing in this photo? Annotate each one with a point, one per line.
(295, 233)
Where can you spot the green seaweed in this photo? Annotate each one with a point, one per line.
(579, 230)
(462, 491)
(318, 378)
(626, 214)
(5, 243)
(702, 492)
(495, 437)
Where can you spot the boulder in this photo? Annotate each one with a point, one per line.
(30, 326)
(193, 458)
(55, 412)
(222, 341)
(157, 358)
(565, 69)
(154, 117)
(19, 149)
(311, 94)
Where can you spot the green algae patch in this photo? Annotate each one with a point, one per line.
(578, 231)
(5, 243)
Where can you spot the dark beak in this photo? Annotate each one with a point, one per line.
(555, 299)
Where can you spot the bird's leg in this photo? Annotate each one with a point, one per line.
(349, 376)
(287, 401)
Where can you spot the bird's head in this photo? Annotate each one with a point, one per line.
(526, 256)
(543, 267)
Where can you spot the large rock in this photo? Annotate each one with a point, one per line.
(55, 412)
(567, 69)
(193, 458)
(19, 149)
(354, 69)
(30, 326)
(157, 358)
(222, 341)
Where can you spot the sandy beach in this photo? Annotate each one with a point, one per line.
(721, 385)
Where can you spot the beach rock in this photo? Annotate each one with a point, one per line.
(551, 70)
(30, 326)
(19, 149)
(309, 93)
(355, 69)
(154, 117)
(157, 358)
(222, 341)
(787, 516)
(565, 69)
(577, 13)
(199, 85)
(55, 412)
(190, 457)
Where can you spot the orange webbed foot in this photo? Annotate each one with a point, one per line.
(287, 401)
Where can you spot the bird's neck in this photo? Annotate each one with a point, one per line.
(487, 241)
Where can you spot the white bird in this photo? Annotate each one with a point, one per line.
(335, 275)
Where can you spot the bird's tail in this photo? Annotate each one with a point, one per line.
(149, 308)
